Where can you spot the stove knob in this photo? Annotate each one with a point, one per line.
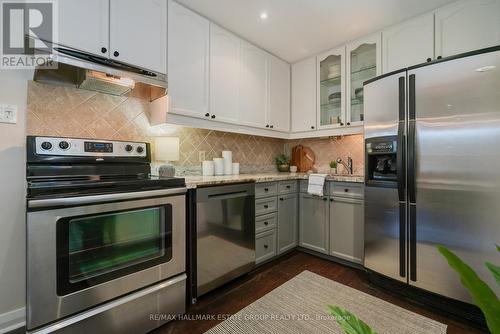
(64, 145)
(128, 148)
(46, 145)
(140, 149)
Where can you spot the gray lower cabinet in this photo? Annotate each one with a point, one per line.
(347, 229)
(287, 222)
(265, 246)
(314, 225)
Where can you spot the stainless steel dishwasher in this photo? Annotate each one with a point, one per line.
(225, 234)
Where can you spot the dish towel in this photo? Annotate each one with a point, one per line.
(316, 183)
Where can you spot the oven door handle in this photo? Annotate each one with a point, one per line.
(97, 199)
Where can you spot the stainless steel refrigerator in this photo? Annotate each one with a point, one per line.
(432, 136)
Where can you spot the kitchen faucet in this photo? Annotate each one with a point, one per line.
(347, 166)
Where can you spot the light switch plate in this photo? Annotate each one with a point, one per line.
(8, 113)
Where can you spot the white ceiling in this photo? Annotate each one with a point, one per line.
(296, 29)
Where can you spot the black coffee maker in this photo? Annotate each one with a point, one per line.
(381, 160)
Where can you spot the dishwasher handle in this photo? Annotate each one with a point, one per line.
(225, 192)
(230, 195)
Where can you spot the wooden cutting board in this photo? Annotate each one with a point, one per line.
(303, 157)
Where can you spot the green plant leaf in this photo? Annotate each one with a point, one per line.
(348, 321)
(495, 270)
(481, 293)
(498, 248)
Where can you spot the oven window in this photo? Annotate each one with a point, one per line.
(94, 249)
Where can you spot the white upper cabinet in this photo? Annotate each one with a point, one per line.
(408, 43)
(253, 88)
(224, 74)
(84, 25)
(363, 62)
(466, 26)
(188, 62)
(279, 95)
(331, 73)
(138, 33)
(304, 95)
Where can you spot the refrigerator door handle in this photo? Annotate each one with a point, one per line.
(411, 140)
(411, 179)
(402, 239)
(413, 242)
(400, 153)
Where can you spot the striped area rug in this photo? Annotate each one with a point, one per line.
(299, 306)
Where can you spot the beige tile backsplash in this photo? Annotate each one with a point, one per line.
(331, 148)
(62, 111)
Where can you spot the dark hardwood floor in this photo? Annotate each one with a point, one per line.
(234, 296)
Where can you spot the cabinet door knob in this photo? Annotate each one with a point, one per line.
(267, 125)
(116, 53)
(346, 190)
(331, 199)
(207, 115)
(348, 123)
(287, 187)
(439, 57)
(266, 223)
(312, 127)
(266, 246)
(429, 60)
(325, 199)
(212, 117)
(281, 199)
(104, 50)
(272, 126)
(266, 206)
(266, 189)
(341, 124)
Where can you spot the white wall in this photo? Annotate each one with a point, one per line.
(13, 90)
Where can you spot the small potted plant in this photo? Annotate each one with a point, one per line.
(283, 163)
(333, 167)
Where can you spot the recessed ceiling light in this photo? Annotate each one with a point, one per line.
(263, 15)
(486, 68)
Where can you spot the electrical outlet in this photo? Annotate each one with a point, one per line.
(201, 156)
(8, 113)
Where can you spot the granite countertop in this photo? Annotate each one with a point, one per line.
(203, 181)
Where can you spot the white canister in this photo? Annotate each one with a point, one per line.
(208, 168)
(236, 168)
(218, 166)
(228, 162)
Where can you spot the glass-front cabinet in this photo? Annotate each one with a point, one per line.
(340, 74)
(363, 63)
(331, 88)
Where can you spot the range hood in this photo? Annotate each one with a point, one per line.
(90, 72)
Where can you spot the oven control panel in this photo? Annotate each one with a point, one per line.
(88, 147)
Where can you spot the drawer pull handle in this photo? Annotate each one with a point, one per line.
(266, 206)
(331, 199)
(288, 187)
(282, 199)
(266, 246)
(266, 189)
(266, 223)
(346, 190)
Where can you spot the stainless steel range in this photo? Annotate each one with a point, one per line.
(105, 241)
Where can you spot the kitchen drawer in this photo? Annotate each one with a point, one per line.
(266, 189)
(346, 189)
(265, 246)
(287, 187)
(266, 205)
(266, 222)
(304, 183)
